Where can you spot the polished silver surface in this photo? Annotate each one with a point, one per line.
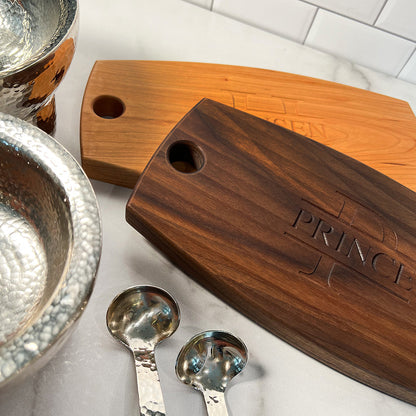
(140, 318)
(37, 43)
(50, 245)
(207, 362)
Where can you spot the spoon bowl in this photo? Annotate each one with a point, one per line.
(208, 362)
(140, 318)
(142, 315)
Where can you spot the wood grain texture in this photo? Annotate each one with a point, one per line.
(377, 130)
(314, 246)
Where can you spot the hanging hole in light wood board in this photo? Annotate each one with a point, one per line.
(107, 106)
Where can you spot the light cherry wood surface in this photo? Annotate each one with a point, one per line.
(130, 106)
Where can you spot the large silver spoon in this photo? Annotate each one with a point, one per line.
(208, 362)
(140, 318)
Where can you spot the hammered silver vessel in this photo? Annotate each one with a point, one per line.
(37, 44)
(50, 245)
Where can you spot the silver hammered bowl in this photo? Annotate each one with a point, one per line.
(50, 245)
(37, 43)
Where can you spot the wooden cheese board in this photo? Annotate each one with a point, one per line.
(130, 106)
(311, 244)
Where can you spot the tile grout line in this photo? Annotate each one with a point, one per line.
(360, 21)
(310, 26)
(311, 3)
(406, 62)
(379, 13)
(394, 34)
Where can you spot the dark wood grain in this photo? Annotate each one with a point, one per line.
(314, 246)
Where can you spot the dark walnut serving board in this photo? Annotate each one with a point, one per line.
(314, 246)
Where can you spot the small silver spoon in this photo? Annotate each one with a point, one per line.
(208, 362)
(140, 318)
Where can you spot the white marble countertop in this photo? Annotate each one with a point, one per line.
(94, 375)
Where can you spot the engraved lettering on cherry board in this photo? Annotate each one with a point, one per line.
(358, 240)
(285, 113)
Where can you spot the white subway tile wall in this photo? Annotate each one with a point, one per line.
(288, 18)
(365, 11)
(359, 43)
(379, 34)
(399, 16)
(409, 71)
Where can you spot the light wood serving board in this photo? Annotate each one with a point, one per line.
(314, 246)
(153, 96)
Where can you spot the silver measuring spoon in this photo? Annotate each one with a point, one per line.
(208, 362)
(140, 318)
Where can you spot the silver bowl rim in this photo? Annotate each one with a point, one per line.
(75, 287)
(61, 35)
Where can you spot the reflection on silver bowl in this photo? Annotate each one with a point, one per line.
(50, 244)
(37, 43)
